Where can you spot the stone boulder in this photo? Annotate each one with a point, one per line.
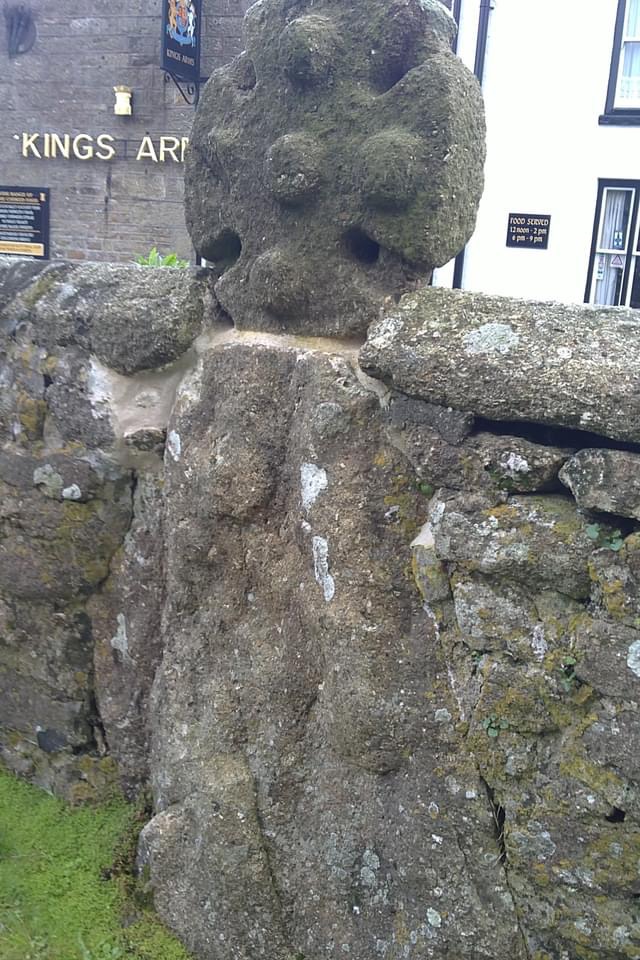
(547, 363)
(605, 480)
(309, 775)
(335, 163)
(129, 317)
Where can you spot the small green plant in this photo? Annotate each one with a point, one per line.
(425, 488)
(569, 681)
(494, 725)
(155, 259)
(611, 541)
(104, 951)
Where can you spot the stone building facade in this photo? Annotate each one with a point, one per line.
(104, 207)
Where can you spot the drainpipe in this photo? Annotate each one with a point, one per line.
(456, 11)
(486, 6)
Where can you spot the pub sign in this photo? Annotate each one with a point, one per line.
(528, 230)
(181, 32)
(24, 222)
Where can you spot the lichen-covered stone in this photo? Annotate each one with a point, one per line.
(132, 318)
(608, 658)
(605, 480)
(302, 703)
(518, 465)
(549, 699)
(616, 580)
(558, 364)
(491, 617)
(335, 163)
(538, 541)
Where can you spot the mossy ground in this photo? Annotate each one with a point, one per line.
(65, 882)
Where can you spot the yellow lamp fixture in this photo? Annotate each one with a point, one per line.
(123, 107)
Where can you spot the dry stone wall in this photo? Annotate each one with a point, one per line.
(377, 657)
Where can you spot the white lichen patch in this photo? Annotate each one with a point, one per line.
(313, 480)
(383, 333)
(99, 388)
(442, 715)
(121, 641)
(491, 338)
(370, 863)
(514, 464)
(72, 492)
(65, 293)
(424, 538)
(48, 479)
(174, 445)
(538, 643)
(633, 658)
(321, 568)
(433, 918)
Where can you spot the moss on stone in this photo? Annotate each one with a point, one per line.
(62, 896)
(39, 289)
(597, 778)
(91, 555)
(31, 414)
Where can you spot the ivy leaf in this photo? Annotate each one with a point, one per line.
(593, 531)
(492, 732)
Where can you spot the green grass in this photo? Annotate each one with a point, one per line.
(66, 883)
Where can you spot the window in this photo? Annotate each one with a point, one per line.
(623, 94)
(614, 266)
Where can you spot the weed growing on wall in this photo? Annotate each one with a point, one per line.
(155, 259)
(66, 884)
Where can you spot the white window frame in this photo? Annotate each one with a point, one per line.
(630, 251)
(619, 110)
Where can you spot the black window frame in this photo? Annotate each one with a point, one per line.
(618, 116)
(629, 253)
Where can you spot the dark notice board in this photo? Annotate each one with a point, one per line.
(24, 222)
(528, 230)
(181, 31)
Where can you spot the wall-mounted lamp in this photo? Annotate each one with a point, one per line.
(122, 106)
(21, 29)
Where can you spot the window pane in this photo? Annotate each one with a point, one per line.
(629, 83)
(632, 21)
(613, 229)
(608, 278)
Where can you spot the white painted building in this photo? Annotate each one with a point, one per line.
(561, 80)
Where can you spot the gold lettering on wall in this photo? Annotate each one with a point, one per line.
(147, 150)
(104, 146)
(29, 144)
(106, 150)
(169, 146)
(83, 146)
(61, 144)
